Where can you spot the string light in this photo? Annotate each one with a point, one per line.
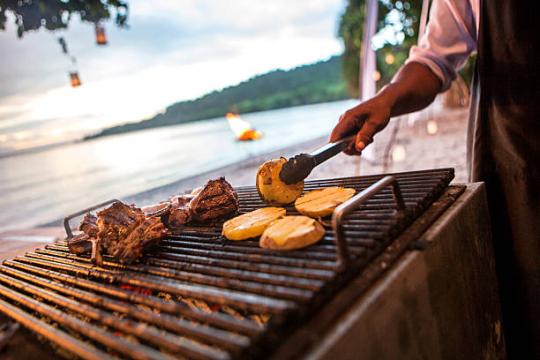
(432, 127)
(389, 59)
(376, 75)
(398, 153)
(101, 38)
(74, 78)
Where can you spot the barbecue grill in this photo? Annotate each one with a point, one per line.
(197, 295)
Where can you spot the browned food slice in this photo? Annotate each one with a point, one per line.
(270, 187)
(88, 225)
(216, 200)
(291, 232)
(251, 224)
(322, 202)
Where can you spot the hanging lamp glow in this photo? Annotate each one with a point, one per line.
(101, 38)
(74, 78)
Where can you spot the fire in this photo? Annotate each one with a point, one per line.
(241, 128)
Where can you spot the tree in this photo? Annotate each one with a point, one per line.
(397, 31)
(31, 15)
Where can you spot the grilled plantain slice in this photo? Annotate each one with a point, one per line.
(291, 232)
(251, 224)
(270, 187)
(322, 202)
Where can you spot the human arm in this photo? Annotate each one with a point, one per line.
(445, 47)
(413, 88)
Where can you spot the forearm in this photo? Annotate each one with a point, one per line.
(413, 88)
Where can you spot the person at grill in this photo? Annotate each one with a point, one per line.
(503, 139)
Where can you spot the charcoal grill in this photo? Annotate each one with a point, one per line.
(197, 295)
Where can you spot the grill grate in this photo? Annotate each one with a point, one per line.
(197, 295)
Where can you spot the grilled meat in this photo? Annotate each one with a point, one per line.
(88, 225)
(216, 200)
(124, 231)
(157, 210)
(129, 248)
(80, 244)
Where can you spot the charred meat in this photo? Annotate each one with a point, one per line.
(124, 231)
(157, 210)
(180, 213)
(88, 225)
(216, 200)
(80, 244)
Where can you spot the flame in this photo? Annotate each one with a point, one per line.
(241, 128)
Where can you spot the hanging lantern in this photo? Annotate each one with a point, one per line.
(74, 78)
(101, 38)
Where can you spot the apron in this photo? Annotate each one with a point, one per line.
(504, 152)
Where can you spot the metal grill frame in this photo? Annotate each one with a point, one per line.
(199, 263)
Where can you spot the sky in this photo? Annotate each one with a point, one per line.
(172, 51)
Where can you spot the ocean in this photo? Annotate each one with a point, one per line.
(40, 187)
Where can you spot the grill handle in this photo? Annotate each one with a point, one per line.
(67, 227)
(347, 207)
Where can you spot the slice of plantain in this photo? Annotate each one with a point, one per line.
(251, 224)
(322, 202)
(270, 187)
(291, 232)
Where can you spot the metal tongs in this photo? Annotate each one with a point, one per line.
(300, 166)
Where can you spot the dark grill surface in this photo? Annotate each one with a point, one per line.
(197, 295)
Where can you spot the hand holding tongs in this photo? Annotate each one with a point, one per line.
(300, 166)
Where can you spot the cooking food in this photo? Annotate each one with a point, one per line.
(88, 225)
(251, 224)
(180, 213)
(270, 187)
(322, 202)
(124, 231)
(215, 200)
(291, 232)
(157, 209)
(81, 244)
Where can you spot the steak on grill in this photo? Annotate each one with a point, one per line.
(180, 213)
(88, 225)
(124, 231)
(214, 201)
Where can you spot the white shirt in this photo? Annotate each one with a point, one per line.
(450, 37)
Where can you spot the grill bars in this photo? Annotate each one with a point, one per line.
(199, 296)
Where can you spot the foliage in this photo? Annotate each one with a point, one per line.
(56, 14)
(351, 28)
(308, 84)
(397, 30)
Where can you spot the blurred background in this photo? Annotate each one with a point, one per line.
(141, 99)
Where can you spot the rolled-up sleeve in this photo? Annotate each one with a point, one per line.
(449, 39)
